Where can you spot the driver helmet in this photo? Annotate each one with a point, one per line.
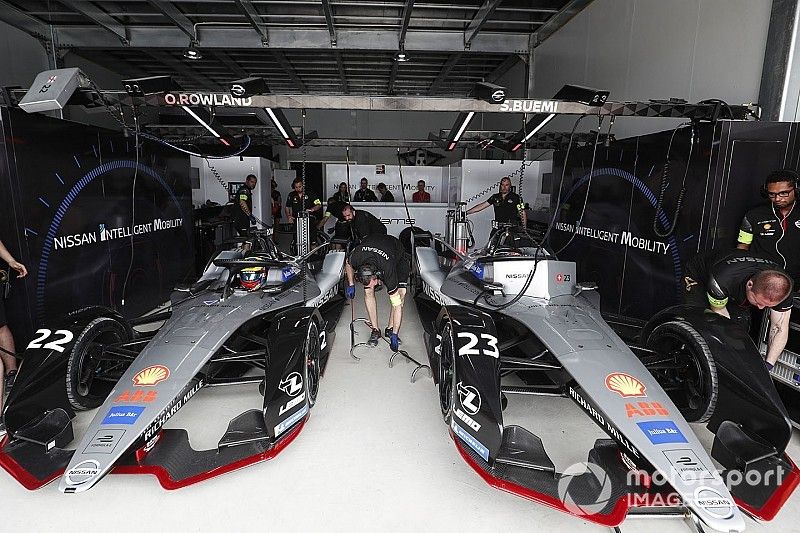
(253, 278)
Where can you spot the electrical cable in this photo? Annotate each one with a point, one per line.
(303, 205)
(133, 205)
(665, 183)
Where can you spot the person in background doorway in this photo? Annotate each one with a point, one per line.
(243, 206)
(343, 193)
(421, 196)
(276, 203)
(386, 196)
(364, 193)
(297, 201)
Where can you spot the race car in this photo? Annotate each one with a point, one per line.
(509, 319)
(252, 318)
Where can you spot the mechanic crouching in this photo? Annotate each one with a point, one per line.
(729, 283)
(380, 259)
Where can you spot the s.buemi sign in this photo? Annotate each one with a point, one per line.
(530, 106)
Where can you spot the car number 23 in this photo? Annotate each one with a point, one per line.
(488, 344)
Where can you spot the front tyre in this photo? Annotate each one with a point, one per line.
(446, 369)
(87, 381)
(689, 375)
(312, 366)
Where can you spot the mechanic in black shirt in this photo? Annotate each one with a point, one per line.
(364, 223)
(380, 259)
(508, 206)
(386, 195)
(276, 203)
(297, 200)
(365, 194)
(243, 205)
(343, 229)
(773, 231)
(730, 282)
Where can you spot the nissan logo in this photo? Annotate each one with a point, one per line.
(237, 90)
(499, 96)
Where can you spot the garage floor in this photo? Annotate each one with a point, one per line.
(374, 456)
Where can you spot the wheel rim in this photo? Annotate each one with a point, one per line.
(446, 370)
(692, 392)
(89, 364)
(312, 363)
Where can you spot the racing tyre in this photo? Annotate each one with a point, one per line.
(86, 386)
(689, 376)
(447, 370)
(312, 367)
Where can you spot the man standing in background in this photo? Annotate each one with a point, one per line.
(421, 196)
(276, 203)
(365, 194)
(386, 196)
(243, 205)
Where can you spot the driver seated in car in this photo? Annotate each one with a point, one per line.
(380, 259)
(729, 283)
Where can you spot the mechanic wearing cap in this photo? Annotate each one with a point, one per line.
(728, 283)
(297, 200)
(364, 223)
(365, 194)
(508, 206)
(8, 363)
(342, 230)
(243, 205)
(380, 259)
(773, 230)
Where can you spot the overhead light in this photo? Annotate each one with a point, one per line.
(279, 120)
(458, 129)
(401, 56)
(206, 125)
(531, 128)
(192, 52)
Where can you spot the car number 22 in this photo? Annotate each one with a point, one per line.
(57, 344)
(469, 348)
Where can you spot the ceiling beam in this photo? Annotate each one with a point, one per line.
(174, 14)
(502, 68)
(254, 18)
(479, 20)
(232, 65)
(554, 23)
(238, 37)
(326, 7)
(287, 67)
(182, 69)
(21, 20)
(342, 75)
(405, 21)
(99, 17)
(392, 77)
(446, 68)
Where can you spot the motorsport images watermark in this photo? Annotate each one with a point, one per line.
(586, 488)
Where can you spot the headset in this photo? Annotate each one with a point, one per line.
(367, 272)
(777, 176)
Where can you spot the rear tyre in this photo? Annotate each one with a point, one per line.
(446, 370)
(86, 384)
(690, 378)
(312, 367)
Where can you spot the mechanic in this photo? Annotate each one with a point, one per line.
(508, 206)
(386, 196)
(364, 223)
(343, 194)
(380, 259)
(421, 196)
(729, 282)
(8, 362)
(342, 231)
(365, 194)
(773, 231)
(243, 205)
(276, 203)
(296, 201)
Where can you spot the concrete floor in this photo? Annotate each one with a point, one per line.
(374, 456)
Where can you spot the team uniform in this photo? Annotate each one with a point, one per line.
(298, 203)
(342, 230)
(387, 255)
(241, 220)
(387, 197)
(365, 224)
(3, 318)
(506, 209)
(421, 197)
(365, 195)
(773, 236)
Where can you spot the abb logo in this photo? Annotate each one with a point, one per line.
(645, 409)
(137, 396)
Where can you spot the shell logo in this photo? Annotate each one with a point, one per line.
(152, 375)
(625, 385)
(767, 226)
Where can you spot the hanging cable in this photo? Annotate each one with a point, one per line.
(524, 154)
(133, 205)
(304, 152)
(665, 183)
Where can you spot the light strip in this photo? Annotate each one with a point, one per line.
(276, 122)
(463, 126)
(540, 126)
(201, 121)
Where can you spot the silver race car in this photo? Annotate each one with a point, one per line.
(262, 318)
(509, 319)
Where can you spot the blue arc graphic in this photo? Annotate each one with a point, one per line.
(70, 197)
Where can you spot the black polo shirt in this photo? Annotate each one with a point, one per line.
(366, 224)
(506, 209)
(772, 236)
(365, 195)
(295, 203)
(385, 253)
(243, 194)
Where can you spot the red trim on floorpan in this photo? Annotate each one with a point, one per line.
(770, 509)
(170, 484)
(20, 474)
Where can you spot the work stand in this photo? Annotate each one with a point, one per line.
(353, 345)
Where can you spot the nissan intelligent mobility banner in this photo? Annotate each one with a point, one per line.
(94, 224)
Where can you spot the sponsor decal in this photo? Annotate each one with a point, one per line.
(105, 233)
(432, 294)
(498, 96)
(767, 226)
(797, 223)
(152, 375)
(288, 273)
(104, 441)
(464, 417)
(292, 420)
(167, 413)
(714, 503)
(662, 432)
(471, 441)
(561, 278)
(137, 396)
(530, 106)
(292, 384)
(519, 276)
(377, 251)
(123, 414)
(624, 238)
(625, 385)
(82, 472)
(687, 465)
(149, 445)
(327, 296)
(400, 221)
(291, 403)
(210, 302)
(469, 397)
(237, 90)
(645, 409)
(476, 268)
(603, 422)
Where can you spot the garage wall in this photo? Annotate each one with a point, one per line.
(652, 49)
(21, 57)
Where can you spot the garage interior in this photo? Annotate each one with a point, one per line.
(636, 132)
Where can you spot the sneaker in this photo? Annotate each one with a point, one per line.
(388, 334)
(10, 377)
(373, 337)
